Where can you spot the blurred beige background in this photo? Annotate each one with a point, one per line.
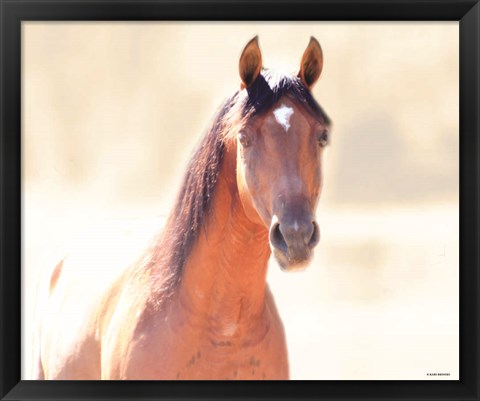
(112, 111)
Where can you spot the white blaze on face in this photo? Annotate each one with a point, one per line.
(282, 115)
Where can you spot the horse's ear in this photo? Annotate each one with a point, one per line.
(250, 63)
(311, 64)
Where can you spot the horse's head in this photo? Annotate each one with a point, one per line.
(279, 153)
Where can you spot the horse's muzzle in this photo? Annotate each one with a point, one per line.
(292, 241)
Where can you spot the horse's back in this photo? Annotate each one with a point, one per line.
(74, 294)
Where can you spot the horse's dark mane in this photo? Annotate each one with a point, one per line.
(198, 188)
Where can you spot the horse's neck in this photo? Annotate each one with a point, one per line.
(224, 279)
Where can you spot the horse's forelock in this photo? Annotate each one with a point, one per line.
(267, 90)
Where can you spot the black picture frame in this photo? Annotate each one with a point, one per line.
(13, 12)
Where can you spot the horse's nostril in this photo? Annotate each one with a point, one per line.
(295, 236)
(315, 237)
(276, 238)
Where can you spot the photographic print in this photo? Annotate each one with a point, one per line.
(240, 201)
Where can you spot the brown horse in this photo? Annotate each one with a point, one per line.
(195, 304)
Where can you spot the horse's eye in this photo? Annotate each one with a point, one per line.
(323, 138)
(244, 139)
